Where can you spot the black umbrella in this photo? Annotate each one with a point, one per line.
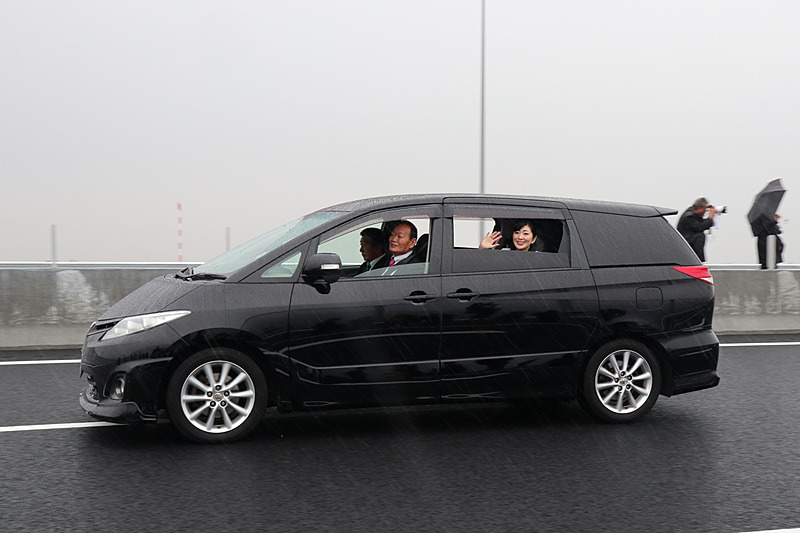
(765, 205)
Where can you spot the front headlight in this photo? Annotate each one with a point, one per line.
(134, 324)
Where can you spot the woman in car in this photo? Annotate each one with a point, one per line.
(522, 238)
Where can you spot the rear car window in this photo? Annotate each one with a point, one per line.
(551, 248)
(618, 240)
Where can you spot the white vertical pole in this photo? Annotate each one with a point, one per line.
(180, 233)
(227, 238)
(53, 243)
(483, 97)
(771, 252)
(482, 188)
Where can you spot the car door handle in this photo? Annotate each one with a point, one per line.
(463, 295)
(419, 297)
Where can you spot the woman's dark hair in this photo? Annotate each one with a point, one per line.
(519, 224)
(507, 227)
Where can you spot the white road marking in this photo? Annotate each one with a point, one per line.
(42, 362)
(758, 345)
(792, 530)
(40, 427)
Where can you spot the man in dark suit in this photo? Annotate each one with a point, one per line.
(402, 240)
(373, 248)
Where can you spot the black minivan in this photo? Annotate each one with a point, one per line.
(608, 305)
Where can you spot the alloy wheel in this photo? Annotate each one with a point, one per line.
(623, 381)
(217, 396)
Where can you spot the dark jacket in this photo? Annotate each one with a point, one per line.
(764, 225)
(692, 227)
(365, 265)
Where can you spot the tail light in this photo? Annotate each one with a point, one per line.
(698, 272)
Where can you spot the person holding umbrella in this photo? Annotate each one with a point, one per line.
(765, 228)
(692, 225)
(763, 219)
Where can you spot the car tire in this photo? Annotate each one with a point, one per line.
(216, 395)
(621, 382)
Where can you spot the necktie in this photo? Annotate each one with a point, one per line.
(391, 262)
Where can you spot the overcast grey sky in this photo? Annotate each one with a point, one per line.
(254, 113)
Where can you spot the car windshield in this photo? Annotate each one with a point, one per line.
(248, 252)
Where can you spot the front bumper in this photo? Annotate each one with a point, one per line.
(142, 358)
(110, 410)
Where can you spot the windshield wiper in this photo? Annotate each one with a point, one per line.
(186, 273)
(189, 274)
(206, 275)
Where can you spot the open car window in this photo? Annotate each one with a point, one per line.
(346, 240)
(550, 248)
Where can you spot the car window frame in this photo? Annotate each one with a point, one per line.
(490, 211)
(432, 211)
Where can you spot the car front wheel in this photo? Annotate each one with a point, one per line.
(216, 395)
(621, 382)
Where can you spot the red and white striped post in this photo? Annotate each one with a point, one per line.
(180, 233)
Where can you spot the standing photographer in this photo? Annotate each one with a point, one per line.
(692, 225)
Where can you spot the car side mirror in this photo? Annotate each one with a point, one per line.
(323, 269)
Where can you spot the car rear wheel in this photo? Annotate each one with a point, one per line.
(216, 395)
(621, 382)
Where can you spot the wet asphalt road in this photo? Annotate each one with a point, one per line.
(724, 459)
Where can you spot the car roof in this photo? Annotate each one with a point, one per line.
(574, 204)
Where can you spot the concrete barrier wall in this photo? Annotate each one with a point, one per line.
(757, 301)
(54, 306)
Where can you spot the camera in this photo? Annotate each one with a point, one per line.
(721, 209)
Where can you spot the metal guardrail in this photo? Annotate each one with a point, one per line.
(733, 266)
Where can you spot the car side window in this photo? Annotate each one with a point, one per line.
(506, 240)
(366, 251)
(284, 268)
